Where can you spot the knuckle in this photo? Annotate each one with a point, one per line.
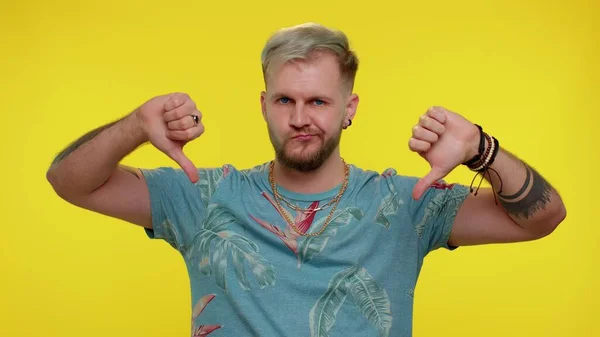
(179, 98)
(178, 113)
(179, 134)
(427, 122)
(186, 109)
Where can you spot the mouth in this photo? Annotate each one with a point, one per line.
(303, 137)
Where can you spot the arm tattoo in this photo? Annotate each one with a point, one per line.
(533, 196)
(84, 139)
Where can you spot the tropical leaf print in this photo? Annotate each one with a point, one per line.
(370, 298)
(307, 247)
(209, 180)
(216, 241)
(205, 330)
(390, 203)
(171, 235)
(433, 207)
(202, 330)
(311, 246)
(323, 314)
(438, 201)
(388, 207)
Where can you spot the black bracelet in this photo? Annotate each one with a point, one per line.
(477, 157)
(485, 167)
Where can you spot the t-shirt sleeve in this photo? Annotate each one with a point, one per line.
(178, 206)
(433, 215)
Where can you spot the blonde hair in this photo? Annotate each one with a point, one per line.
(305, 42)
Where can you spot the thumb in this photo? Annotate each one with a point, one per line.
(424, 183)
(186, 164)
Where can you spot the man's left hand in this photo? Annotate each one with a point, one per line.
(446, 140)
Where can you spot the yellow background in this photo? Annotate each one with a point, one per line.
(527, 71)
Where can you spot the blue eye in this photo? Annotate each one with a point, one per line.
(319, 102)
(284, 100)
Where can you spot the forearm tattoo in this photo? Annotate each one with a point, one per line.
(533, 196)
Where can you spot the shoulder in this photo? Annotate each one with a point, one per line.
(389, 180)
(232, 177)
(387, 177)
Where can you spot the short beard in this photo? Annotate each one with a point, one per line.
(310, 163)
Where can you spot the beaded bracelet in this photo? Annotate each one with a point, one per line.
(485, 157)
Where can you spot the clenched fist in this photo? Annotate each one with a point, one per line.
(169, 122)
(445, 139)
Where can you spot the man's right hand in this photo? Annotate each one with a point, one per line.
(168, 122)
(88, 173)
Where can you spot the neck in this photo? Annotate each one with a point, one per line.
(323, 179)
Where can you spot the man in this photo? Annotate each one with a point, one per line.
(306, 244)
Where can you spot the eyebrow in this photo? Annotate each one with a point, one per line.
(310, 98)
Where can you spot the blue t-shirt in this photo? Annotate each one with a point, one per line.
(252, 275)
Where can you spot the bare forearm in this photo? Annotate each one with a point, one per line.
(526, 196)
(87, 163)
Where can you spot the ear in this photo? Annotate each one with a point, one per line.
(351, 106)
(263, 104)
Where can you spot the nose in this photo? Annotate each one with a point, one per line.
(299, 117)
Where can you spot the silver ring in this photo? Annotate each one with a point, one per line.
(196, 119)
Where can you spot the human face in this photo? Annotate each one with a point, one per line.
(305, 107)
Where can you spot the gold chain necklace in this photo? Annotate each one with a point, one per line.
(335, 201)
(307, 211)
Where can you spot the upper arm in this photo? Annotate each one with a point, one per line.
(480, 221)
(124, 196)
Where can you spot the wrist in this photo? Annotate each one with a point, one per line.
(486, 150)
(135, 127)
(477, 145)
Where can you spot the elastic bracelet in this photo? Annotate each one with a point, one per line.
(482, 162)
(482, 155)
(477, 157)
